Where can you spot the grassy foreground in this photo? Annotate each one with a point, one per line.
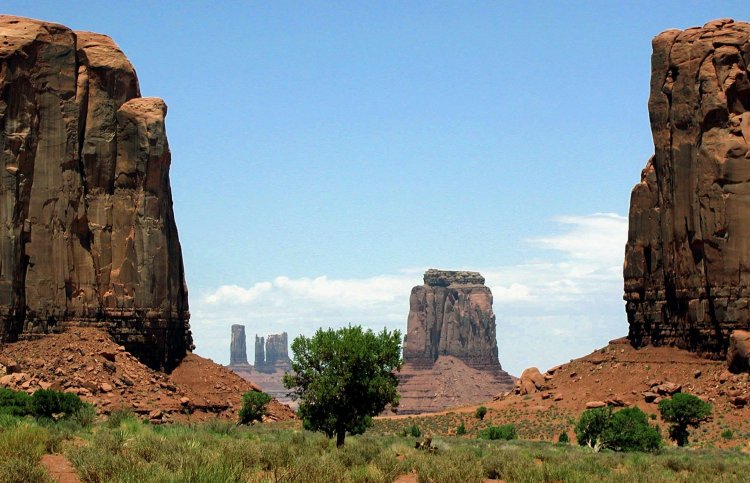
(123, 449)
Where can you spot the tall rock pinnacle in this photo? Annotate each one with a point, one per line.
(687, 259)
(87, 231)
(238, 346)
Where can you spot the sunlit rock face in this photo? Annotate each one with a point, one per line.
(450, 351)
(451, 314)
(687, 260)
(87, 231)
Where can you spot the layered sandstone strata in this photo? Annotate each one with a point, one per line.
(87, 231)
(687, 260)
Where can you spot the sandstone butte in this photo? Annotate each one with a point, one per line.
(450, 351)
(687, 259)
(87, 232)
(271, 362)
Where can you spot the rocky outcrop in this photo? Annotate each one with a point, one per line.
(87, 231)
(738, 354)
(451, 314)
(277, 351)
(450, 351)
(260, 351)
(687, 259)
(238, 346)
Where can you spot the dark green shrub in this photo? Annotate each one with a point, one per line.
(414, 431)
(683, 410)
(505, 432)
(46, 403)
(727, 434)
(461, 430)
(625, 430)
(254, 406)
(628, 430)
(563, 438)
(480, 412)
(14, 403)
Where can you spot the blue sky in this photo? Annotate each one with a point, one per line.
(326, 153)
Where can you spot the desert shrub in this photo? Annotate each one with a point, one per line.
(14, 403)
(118, 416)
(727, 434)
(414, 431)
(452, 466)
(625, 430)
(683, 410)
(480, 412)
(254, 406)
(46, 403)
(84, 416)
(461, 430)
(504, 432)
(563, 438)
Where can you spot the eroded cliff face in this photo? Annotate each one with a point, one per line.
(87, 231)
(451, 314)
(687, 260)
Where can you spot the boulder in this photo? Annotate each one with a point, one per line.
(531, 380)
(738, 353)
(687, 266)
(595, 404)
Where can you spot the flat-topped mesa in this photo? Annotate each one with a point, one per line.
(451, 314)
(238, 346)
(87, 231)
(445, 278)
(687, 259)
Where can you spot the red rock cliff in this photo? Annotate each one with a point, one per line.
(87, 231)
(687, 260)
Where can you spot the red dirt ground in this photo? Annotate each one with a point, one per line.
(618, 373)
(86, 361)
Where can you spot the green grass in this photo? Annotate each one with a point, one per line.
(124, 449)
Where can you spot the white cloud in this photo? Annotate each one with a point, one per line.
(563, 304)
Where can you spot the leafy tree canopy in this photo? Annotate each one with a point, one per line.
(683, 410)
(344, 377)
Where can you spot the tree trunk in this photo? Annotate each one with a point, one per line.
(340, 438)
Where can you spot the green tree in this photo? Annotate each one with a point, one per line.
(343, 378)
(625, 430)
(503, 432)
(480, 412)
(683, 410)
(254, 406)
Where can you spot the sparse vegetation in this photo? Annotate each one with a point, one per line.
(254, 406)
(461, 430)
(480, 413)
(505, 432)
(563, 438)
(683, 410)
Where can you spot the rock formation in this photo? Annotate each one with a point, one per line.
(271, 362)
(450, 351)
(260, 351)
(687, 260)
(238, 346)
(277, 351)
(451, 314)
(87, 231)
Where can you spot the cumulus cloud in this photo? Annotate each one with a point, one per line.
(563, 304)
